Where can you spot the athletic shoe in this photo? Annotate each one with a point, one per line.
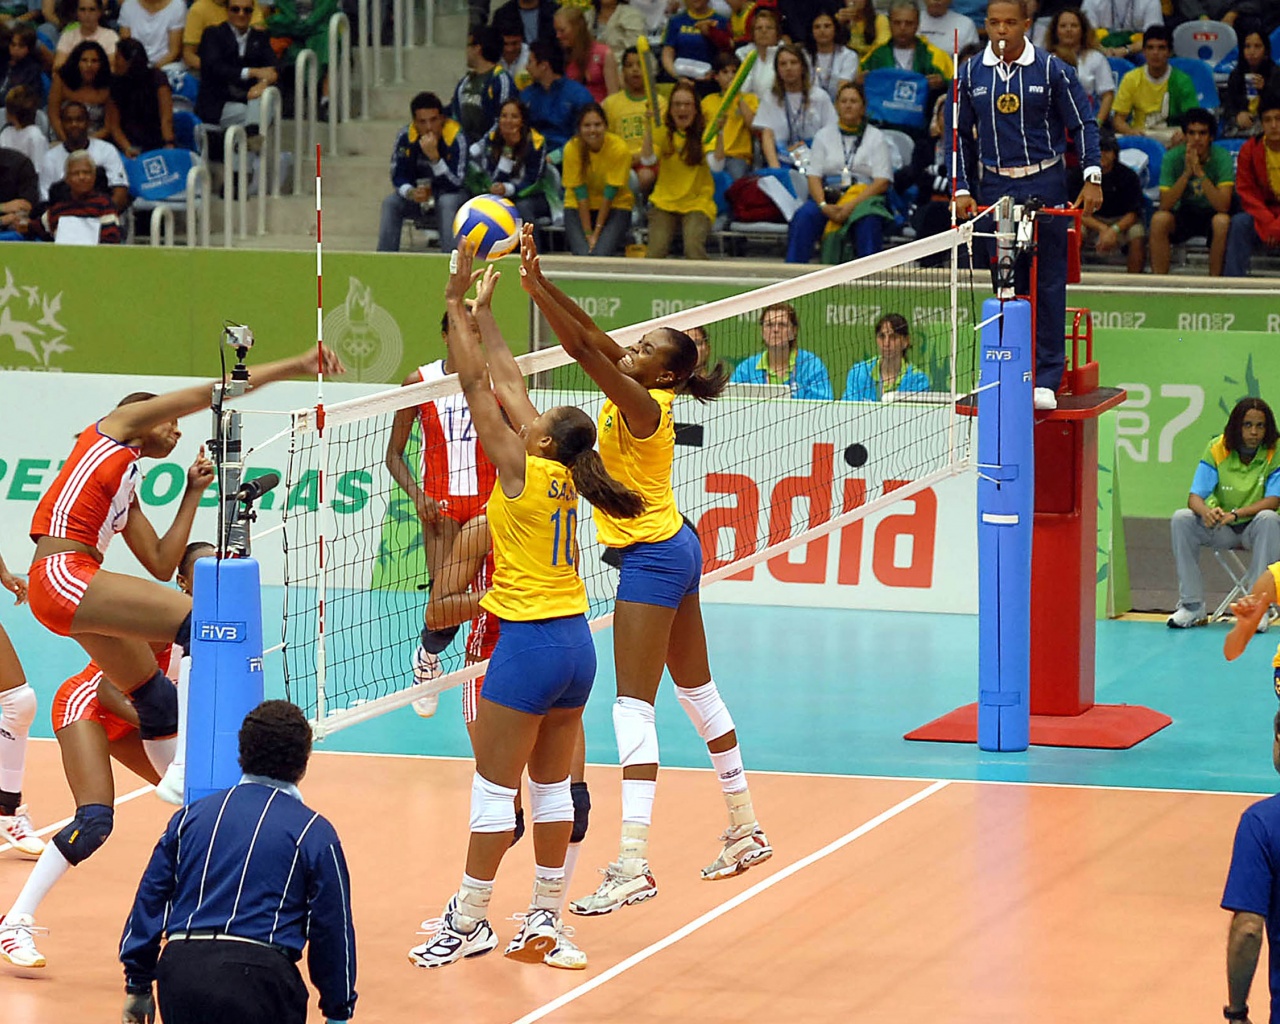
(448, 945)
(17, 942)
(537, 938)
(1264, 623)
(617, 890)
(426, 667)
(172, 788)
(743, 848)
(16, 829)
(1187, 618)
(1044, 399)
(566, 955)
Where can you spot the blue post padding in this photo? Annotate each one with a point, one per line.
(226, 670)
(1006, 505)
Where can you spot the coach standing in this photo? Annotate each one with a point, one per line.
(1016, 105)
(240, 882)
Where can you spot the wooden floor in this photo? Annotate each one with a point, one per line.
(886, 900)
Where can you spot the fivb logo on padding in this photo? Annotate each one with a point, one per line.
(221, 632)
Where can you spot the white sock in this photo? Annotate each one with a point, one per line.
(17, 711)
(728, 767)
(44, 876)
(570, 863)
(161, 753)
(637, 801)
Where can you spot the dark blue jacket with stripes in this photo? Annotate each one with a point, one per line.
(256, 862)
(1016, 115)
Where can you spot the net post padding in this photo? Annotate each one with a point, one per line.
(774, 445)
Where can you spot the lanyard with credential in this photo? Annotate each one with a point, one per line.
(850, 155)
(792, 137)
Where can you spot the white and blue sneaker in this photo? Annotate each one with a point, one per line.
(447, 944)
(426, 667)
(537, 938)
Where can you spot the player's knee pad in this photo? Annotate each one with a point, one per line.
(581, 811)
(636, 731)
(550, 801)
(18, 709)
(183, 637)
(86, 833)
(493, 807)
(436, 640)
(706, 710)
(156, 702)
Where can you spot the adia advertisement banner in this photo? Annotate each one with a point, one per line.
(765, 471)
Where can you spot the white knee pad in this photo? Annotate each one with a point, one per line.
(550, 801)
(633, 725)
(706, 710)
(493, 807)
(18, 708)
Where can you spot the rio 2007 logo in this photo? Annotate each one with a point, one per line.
(29, 323)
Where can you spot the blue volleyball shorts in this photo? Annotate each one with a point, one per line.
(540, 665)
(664, 573)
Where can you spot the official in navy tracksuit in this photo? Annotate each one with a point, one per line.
(1021, 106)
(239, 883)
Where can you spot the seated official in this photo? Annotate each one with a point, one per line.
(1234, 496)
(872, 379)
(783, 361)
(1196, 183)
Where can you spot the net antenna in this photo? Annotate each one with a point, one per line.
(322, 507)
(775, 484)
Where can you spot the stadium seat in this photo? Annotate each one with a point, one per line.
(1209, 41)
(1155, 157)
(901, 147)
(1120, 67)
(1275, 42)
(185, 125)
(1202, 78)
(159, 179)
(896, 98)
(1232, 146)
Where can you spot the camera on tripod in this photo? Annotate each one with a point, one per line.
(240, 338)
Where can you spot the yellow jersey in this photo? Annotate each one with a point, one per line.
(611, 166)
(681, 188)
(737, 136)
(644, 465)
(535, 546)
(624, 114)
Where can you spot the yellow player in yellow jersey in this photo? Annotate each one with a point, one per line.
(657, 618)
(541, 671)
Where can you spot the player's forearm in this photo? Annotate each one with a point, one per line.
(170, 548)
(1244, 943)
(473, 372)
(504, 372)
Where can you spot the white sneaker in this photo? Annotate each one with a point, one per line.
(17, 942)
(172, 788)
(743, 848)
(426, 667)
(566, 955)
(618, 889)
(16, 829)
(1264, 623)
(1186, 618)
(537, 938)
(1044, 399)
(446, 944)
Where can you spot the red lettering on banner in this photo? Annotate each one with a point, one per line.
(816, 487)
(921, 525)
(743, 518)
(849, 567)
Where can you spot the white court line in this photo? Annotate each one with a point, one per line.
(728, 905)
(131, 795)
(865, 778)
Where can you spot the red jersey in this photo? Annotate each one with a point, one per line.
(90, 497)
(454, 464)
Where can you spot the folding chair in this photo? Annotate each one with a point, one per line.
(1240, 582)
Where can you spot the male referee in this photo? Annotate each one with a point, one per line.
(1020, 102)
(240, 882)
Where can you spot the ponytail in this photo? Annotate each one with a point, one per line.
(706, 385)
(604, 492)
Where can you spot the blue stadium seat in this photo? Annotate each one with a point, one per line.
(1232, 146)
(1155, 157)
(1202, 78)
(1120, 67)
(159, 174)
(184, 129)
(1275, 43)
(896, 97)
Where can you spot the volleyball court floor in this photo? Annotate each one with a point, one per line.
(928, 882)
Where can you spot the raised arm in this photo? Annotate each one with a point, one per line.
(504, 374)
(161, 556)
(129, 421)
(503, 446)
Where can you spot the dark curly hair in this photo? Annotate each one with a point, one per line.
(704, 384)
(1233, 433)
(70, 70)
(275, 741)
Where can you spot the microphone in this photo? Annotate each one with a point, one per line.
(257, 487)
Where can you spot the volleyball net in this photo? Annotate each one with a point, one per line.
(764, 474)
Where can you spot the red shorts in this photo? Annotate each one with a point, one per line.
(481, 641)
(77, 701)
(56, 585)
(462, 508)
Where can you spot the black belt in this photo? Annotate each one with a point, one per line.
(293, 955)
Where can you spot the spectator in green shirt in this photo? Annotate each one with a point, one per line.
(1232, 504)
(908, 51)
(1196, 180)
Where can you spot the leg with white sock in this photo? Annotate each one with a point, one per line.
(17, 712)
(744, 842)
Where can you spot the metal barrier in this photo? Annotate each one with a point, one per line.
(235, 182)
(306, 78)
(339, 76)
(269, 156)
(162, 226)
(365, 44)
(398, 40)
(199, 189)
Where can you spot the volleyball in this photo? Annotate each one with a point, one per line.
(490, 223)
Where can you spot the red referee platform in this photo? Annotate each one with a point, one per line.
(1064, 574)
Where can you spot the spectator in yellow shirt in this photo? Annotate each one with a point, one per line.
(736, 125)
(867, 29)
(597, 196)
(683, 199)
(624, 114)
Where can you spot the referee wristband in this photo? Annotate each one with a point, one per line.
(1240, 1014)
